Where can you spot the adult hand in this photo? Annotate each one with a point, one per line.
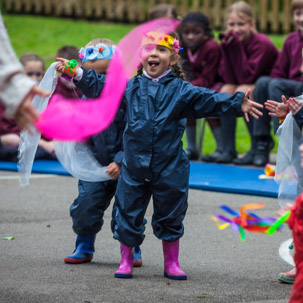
(26, 114)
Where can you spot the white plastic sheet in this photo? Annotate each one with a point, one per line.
(29, 142)
(289, 174)
(80, 162)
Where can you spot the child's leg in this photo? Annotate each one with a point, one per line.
(9, 147)
(191, 133)
(215, 126)
(248, 158)
(261, 128)
(170, 192)
(228, 126)
(87, 214)
(132, 198)
(137, 262)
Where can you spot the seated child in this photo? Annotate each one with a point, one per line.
(94, 197)
(9, 132)
(284, 79)
(201, 58)
(64, 87)
(155, 165)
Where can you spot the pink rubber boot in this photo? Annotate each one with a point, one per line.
(125, 269)
(172, 269)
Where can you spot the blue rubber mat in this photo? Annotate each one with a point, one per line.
(40, 166)
(205, 176)
(231, 179)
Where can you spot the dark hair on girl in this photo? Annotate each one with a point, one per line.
(177, 68)
(201, 20)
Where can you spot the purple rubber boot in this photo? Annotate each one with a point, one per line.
(172, 269)
(125, 269)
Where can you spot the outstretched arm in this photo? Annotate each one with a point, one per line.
(250, 107)
(87, 81)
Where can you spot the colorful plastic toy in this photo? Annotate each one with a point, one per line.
(270, 170)
(69, 69)
(249, 221)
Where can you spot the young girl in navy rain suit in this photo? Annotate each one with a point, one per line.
(155, 164)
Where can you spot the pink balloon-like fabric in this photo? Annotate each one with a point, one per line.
(71, 120)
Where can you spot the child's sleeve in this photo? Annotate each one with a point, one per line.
(198, 102)
(91, 84)
(282, 65)
(209, 72)
(249, 66)
(226, 70)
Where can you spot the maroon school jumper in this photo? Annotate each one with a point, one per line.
(295, 222)
(245, 63)
(203, 66)
(7, 125)
(290, 58)
(204, 63)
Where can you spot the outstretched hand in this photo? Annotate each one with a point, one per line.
(277, 109)
(60, 65)
(250, 107)
(26, 114)
(294, 105)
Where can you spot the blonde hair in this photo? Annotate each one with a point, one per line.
(100, 40)
(296, 4)
(243, 10)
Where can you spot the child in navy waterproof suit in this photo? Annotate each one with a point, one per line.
(94, 197)
(155, 164)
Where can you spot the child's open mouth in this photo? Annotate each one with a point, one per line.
(153, 64)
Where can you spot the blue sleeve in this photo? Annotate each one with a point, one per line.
(91, 84)
(119, 157)
(299, 118)
(199, 102)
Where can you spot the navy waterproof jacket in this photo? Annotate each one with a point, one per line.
(155, 117)
(107, 146)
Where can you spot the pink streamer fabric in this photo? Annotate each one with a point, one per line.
(71, 120)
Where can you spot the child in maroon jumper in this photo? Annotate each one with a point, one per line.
(285, 79)
(201, 55)
(9, 132)
(64, 87)
(246, 55)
